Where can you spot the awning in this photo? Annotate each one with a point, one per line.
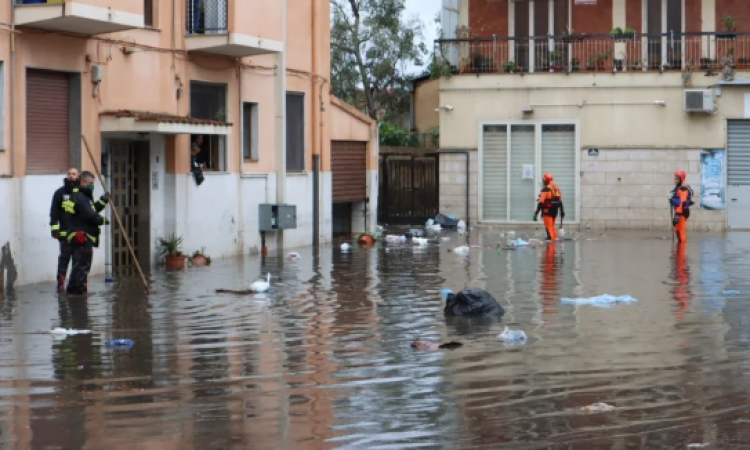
(130, 121)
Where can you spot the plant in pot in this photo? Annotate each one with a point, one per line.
(509, 67)
(200, 258)
(171, 249)
(554, 61)
(730, 33)
(569, 36)
(620, 35)
(575, 64)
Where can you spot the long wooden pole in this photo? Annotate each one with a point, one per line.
(117, 216)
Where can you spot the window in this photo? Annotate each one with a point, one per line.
(250, 131)
(449, 17)
(663, 23)
(295, 132)
(548, 17)
(513, 158)
(208, 101)
(148, 13)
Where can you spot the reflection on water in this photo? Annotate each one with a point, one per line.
(324, 361)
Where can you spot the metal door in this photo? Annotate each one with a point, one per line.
(125, 193)
(738, 174)
(409, 193)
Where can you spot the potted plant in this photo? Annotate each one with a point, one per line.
(621, 35)
(200, 258)
(569, 36)
(575, 65)
(729, 34)
(509, 67)
(170, 249)
(554, 61)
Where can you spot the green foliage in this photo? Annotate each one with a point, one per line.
(371, 46)
(394, 136)
(170, 246)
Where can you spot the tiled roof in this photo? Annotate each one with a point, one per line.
(147, 116)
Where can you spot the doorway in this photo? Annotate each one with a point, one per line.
(131, 192)
(738, 177)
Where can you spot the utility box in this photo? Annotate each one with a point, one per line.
(273, 217)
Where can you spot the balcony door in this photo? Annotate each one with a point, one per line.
(539, 19)
(664, 21)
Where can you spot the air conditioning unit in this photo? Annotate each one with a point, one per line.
(699, 101)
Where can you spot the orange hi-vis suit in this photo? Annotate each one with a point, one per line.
(550, 200)
(681, 201)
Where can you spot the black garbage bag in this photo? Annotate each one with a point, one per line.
(472, 302)
(445, 221)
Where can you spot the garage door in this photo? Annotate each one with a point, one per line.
(47, 122)
(349, 166)
(738, 176)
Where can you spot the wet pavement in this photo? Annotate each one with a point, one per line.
(325, 361)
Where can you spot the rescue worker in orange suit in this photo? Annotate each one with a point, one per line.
(550, 201)
(57, 225)
(83, 222)
(681, 290)
(681, 201)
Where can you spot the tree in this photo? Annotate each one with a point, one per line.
(371, 47)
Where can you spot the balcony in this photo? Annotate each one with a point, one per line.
(83, 17)
(235, 29)
(709, 52)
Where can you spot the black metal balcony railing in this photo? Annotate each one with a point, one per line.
(411, 140)
(597, 53)
(206, 16)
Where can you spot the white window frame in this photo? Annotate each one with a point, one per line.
(664, 41)
(550, 26)
(254, 130)
(537, 166)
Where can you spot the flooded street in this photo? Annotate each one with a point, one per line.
(324, 360)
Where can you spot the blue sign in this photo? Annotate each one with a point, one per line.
(712, 180)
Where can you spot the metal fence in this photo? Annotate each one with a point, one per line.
(409, 190)
(206, 17)
(411, 140)
(597, 53)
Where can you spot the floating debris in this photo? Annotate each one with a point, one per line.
(68, 332)
(730, 292)
(431, 345)
(603, 301)
(598, 407)
(512, 337)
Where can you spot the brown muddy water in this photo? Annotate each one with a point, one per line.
(324, 361)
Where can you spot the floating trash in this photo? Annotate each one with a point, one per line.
(598, 407)
(463, 250)
(603, 301)
(122, 343)
(345, 247)
(68, 332)
(512, 337)
(730, 292)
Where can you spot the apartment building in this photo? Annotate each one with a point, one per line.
(611, 96)
(141, 81)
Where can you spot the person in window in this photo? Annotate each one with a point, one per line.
(196, 164)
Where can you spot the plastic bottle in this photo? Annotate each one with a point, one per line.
(119, 343)
(461, 224)
(588, 227)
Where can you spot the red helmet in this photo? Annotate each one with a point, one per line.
(681, 175)
(547, 178)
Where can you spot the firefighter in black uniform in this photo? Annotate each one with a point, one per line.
(59, 230)
(83, 222)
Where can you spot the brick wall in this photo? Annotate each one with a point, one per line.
(630, 189)
(593, 19)
(739, 9)
(453, 185)
(693, 15)
(488, 17)
(633, 15)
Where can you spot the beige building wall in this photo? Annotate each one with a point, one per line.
(426, 99)
(640, 142)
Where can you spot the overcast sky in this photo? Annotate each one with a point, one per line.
(426, 10)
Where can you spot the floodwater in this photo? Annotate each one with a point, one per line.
(324, 361)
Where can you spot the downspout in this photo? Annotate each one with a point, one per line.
(468, 175)
(12, 90)
(314, 120)
(281, 121)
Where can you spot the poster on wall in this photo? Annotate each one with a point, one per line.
(712, 180)
(585, 2)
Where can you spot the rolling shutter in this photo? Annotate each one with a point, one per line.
(349, 167)
(495, 173)
(522, 191)
(738, 154)
(559, 158)
(47, 122)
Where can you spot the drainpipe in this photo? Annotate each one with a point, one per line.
(468, 175)
(281, 121)
(314, 120)
(12, 90)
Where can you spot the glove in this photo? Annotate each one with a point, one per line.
(55, 234)
(535, 216)
(106, 222)
(104, 198)
(80, 237)
(676, 220)
(562, 214)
